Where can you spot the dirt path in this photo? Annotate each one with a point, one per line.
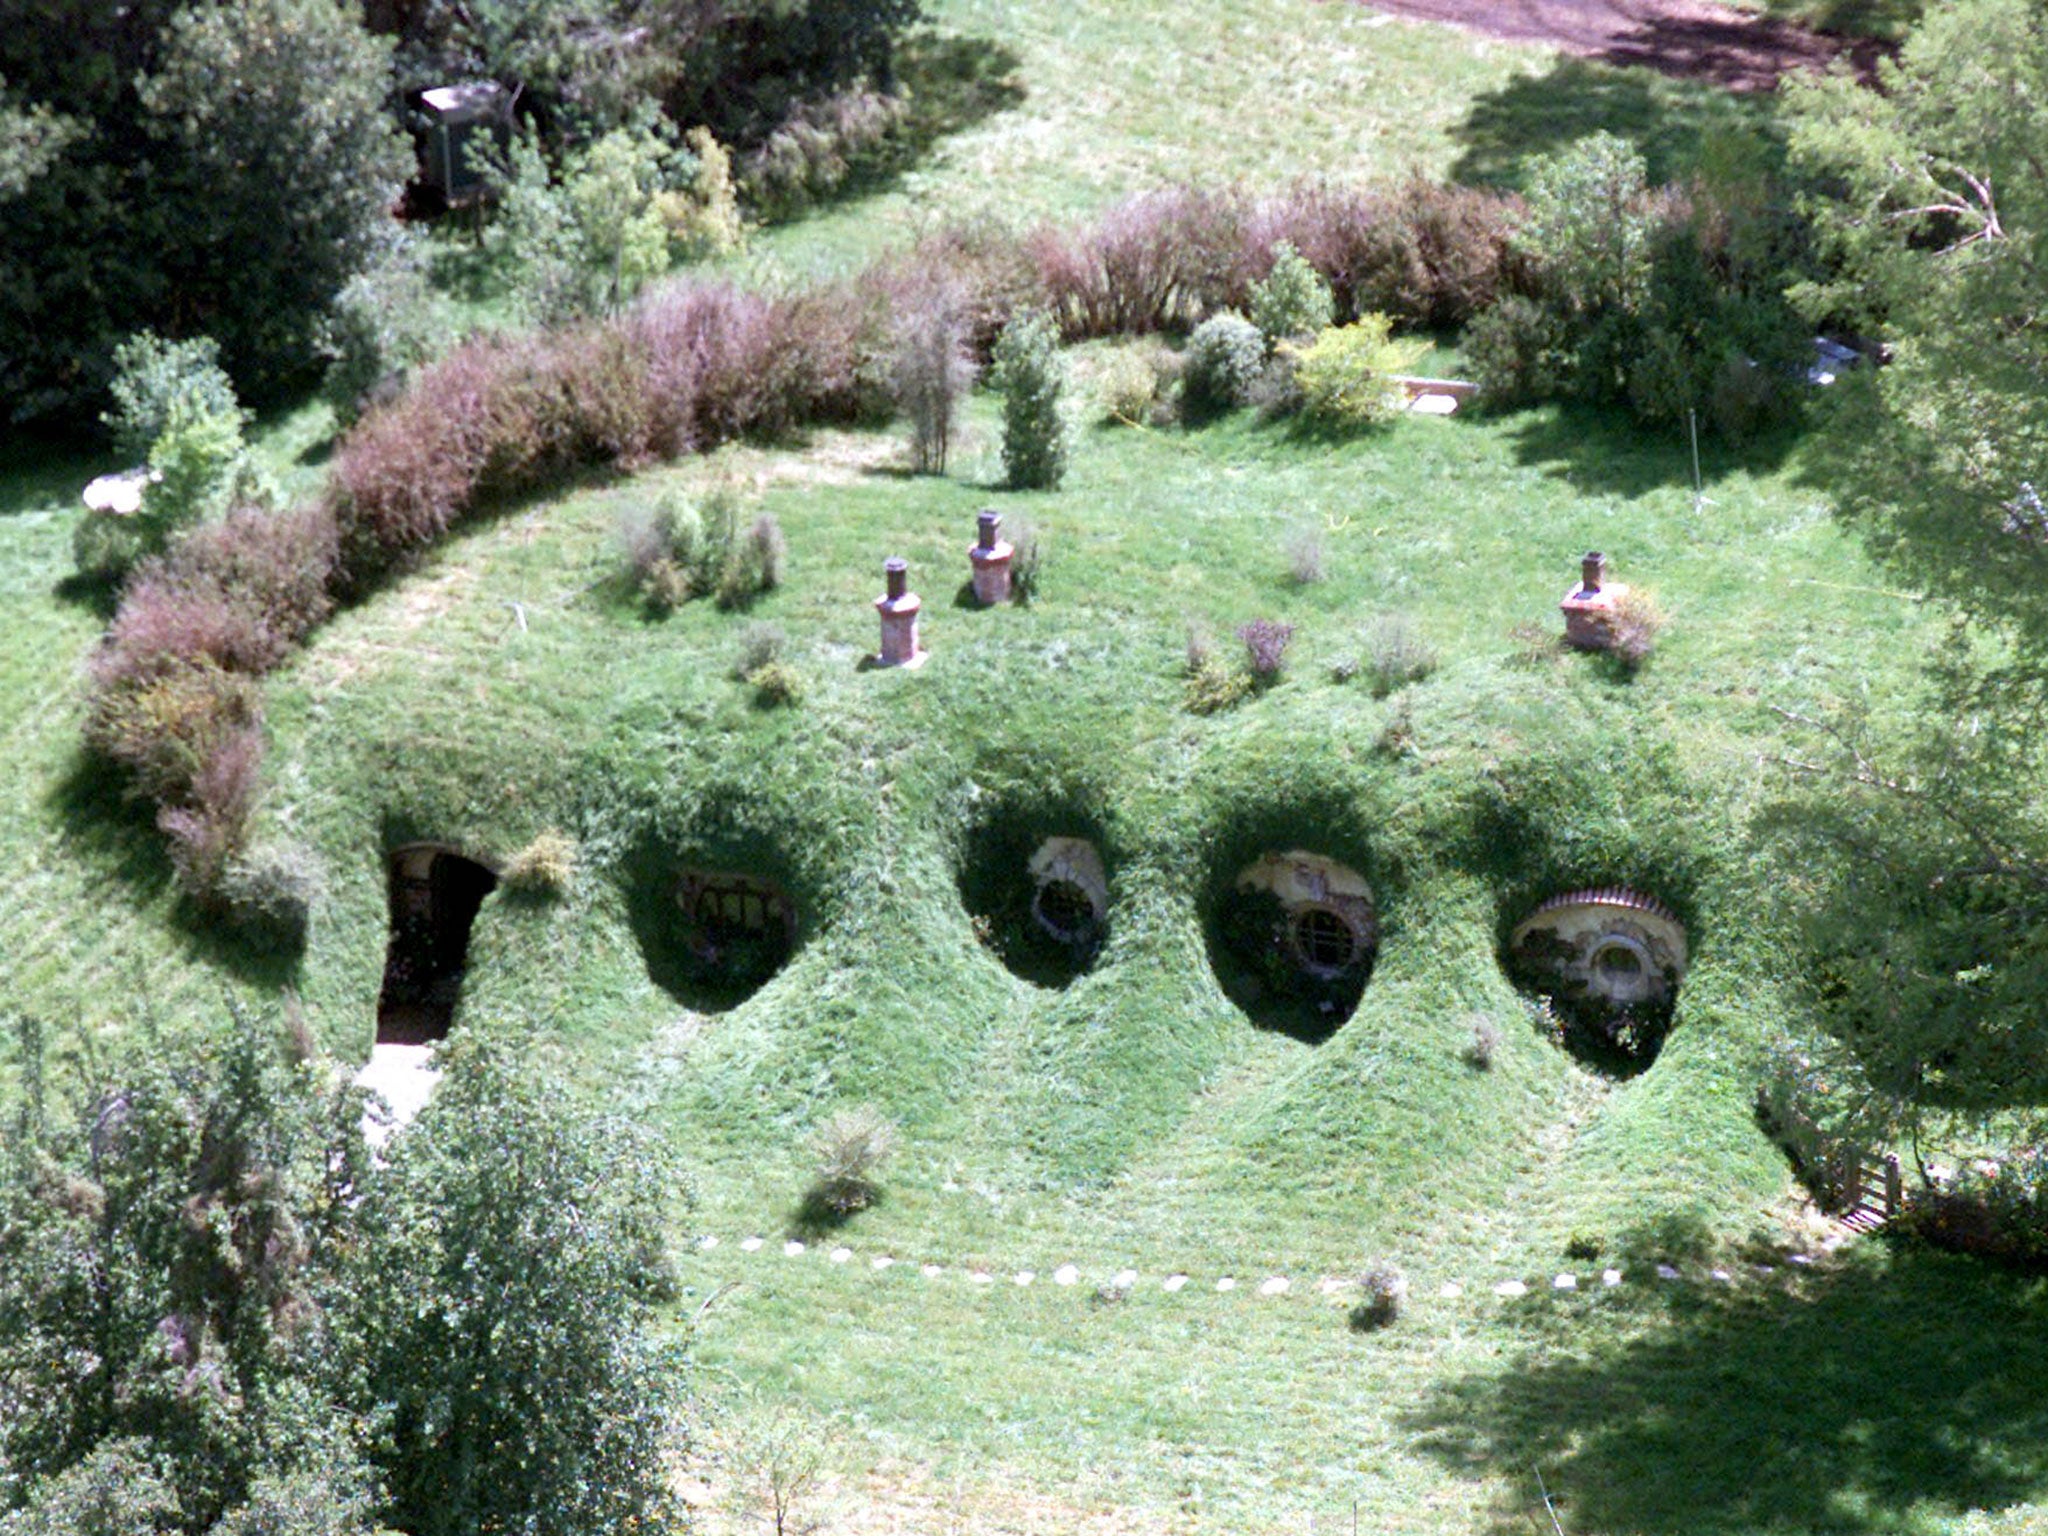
(1689, 39)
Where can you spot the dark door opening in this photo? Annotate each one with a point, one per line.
(434, 899)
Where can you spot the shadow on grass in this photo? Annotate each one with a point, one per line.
(1537, 114)
(1604, 450)
(47, 474)
(115, 833)
(1862, 1399)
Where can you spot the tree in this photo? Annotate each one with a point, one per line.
(203, 168)
(1926, 840)
(218, 1314)
(513, 1253)
(1930, 201)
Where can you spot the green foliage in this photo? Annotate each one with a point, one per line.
(1926, 200)
(513, 1250)
(851, 1149)
(590, 240)
(241, 158)
(1224, 358)
(702, 216)
(1031, 376)
(155, 379)
(385, 322)
(163, 1277)
(1293, 300)
(1590, 224)
(1346, 376)
(1128, 388)
(930, 370)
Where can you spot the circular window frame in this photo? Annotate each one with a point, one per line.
(1070, 897)
(1306, 947)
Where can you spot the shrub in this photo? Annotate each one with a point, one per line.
(1396, 654)
(1346, 376)
(1029, 372)
(1152, 263)
(1292, 300)
(816, 149)
(1223, 360)
(1265, 647)
(1383, 1289)
(1519, 353)
(1129, 385)
(207, 825)
(155, 379)
(1307, 554)
(930, 371)
(164, 725)
(776, 684)
(761, 644)
(271, 891)
(850, 1149)
(1214, 686)
(746, 564)
(703, 217)
(385, 322)
(545, 867)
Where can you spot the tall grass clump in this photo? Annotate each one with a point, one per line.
(851, 1149)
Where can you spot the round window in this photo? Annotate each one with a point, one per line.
(1323, 941)
(1064, 911)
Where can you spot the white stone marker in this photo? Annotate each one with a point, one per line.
(1666, 1272)
(1451, 1290)
(1066, 1274)
(931, 1271)
(1511, 1288)
(792, 1249)
(982, 1277)
(1025, 1276)
(840, 1255)
(880, 1261)
(707, 1242)
(1126, 1278)
(751, 1245)
(1565, 1283)
(1610, 1277)
(1277, 1286)
(1226, 1284)
(1175, 1282)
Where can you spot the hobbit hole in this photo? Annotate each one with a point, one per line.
(1038, 899)
(435, 895)
(1070, 896)
(1610, 961)
(739, 928)
(1295, 942)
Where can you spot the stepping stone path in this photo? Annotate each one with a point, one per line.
(1069, 1274)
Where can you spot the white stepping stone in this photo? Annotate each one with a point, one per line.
(1801, 1259)
(982, 1277)
(1125, 1279)
(880, 1261)
(1175, 1282)
(931, 1271)
(1066, 1274)
(1511, 1288)
(792, 1248)
(1666, 1272)
(1329, 1285)
(1277, 1286)
(1025, 1276)
(403, 1076)
(1565, 1283)
(840, 1255)
(706, 1243)
(1434, 405)
(1610, 1277)
(1226, 1284)
(751, 1245)
(1723, 1276)
(1451, 1290)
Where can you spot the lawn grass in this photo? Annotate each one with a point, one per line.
(1136, 1117)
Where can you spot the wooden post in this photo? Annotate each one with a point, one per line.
(1892, 1191)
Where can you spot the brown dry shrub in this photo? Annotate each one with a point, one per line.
(1158, 261)
(167, 725)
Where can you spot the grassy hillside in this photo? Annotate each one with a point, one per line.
(1136, 1117)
